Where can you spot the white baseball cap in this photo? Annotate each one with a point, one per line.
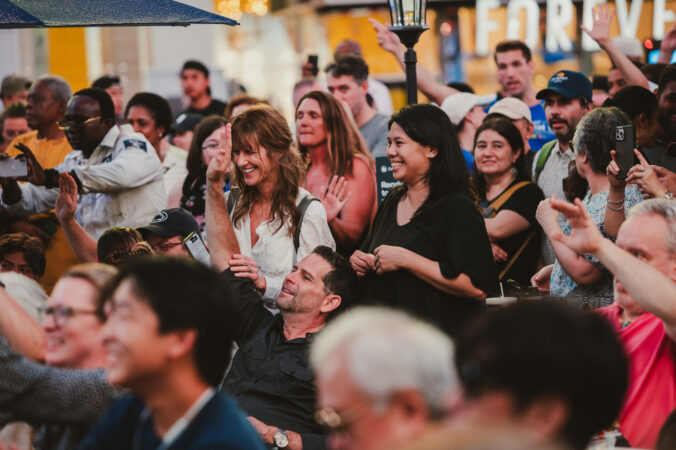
(512, 108)
(457, 106)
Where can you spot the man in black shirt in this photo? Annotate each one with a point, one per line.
(270, 374)
(195, 84)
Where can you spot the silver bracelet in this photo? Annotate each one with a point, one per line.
(615, 209)
(619, 202)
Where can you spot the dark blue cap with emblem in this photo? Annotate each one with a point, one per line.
(569, 84)
(172, 222)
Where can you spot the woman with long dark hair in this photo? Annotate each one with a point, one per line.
(428, 251)
(508, 199)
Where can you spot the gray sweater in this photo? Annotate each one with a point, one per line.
(62, 404)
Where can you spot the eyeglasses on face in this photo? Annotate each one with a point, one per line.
(76, 123)
(62, 314)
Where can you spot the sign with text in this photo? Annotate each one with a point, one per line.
(384, 179)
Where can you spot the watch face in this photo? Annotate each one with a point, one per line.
(281, 440)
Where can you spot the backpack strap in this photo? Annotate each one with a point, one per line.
(302, 207)
(232, 199)
(516, 255)
(491, 210)
(543, 156)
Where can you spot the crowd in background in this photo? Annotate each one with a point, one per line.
(226, 279)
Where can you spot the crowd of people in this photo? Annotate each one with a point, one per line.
(225, 279)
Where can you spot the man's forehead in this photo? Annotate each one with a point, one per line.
(509, 56)
(642, 231)
(315, 265)
(341, 80)
(82, 105)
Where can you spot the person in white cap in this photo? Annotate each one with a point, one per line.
(519, 113)
(466, 113)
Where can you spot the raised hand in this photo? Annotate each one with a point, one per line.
(603, 15)
(386, 39)
(36, 174)
(666, 177)
(335, 197)
(245, 267)
(644, 176)
(612, 171)
(66, 201)
(219, 166)
(584, 236)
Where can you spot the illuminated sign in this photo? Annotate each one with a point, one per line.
(560, 13)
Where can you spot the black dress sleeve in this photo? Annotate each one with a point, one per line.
(466, 244)
(525, 202)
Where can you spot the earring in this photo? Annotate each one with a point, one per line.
(514, 172)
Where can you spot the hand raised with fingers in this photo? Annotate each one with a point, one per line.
(36, 174)
(644, 176)
(584, 236)
(219, 166)
(66, 201)
(245, 267)
(603, 16)
(666, 177)
(335, 197)
(363, 262)
(386, 39)
(612, 171)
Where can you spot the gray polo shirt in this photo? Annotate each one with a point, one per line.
(375, 134)
(551, 182)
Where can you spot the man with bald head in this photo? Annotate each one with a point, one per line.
(117, 172)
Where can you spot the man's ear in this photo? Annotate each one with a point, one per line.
(330, 303)
(365, 85)
(547, 416)
(182, 342)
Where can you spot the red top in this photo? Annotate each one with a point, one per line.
(652, 376)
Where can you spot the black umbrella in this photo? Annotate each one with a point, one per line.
(102, 13)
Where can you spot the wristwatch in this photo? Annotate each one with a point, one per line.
(669, 195)
(281, 439)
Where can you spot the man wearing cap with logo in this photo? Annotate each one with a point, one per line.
(166, 232)
(568, 97)
(466, 112)
(196, 86)
(520, 114)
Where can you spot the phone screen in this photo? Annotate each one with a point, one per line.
(13, 167)
(195, 246)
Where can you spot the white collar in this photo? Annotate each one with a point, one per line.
(181, 424)
(110, 138)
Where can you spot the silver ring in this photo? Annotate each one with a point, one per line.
(642, 168)
(249, 266)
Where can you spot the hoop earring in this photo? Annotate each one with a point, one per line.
(515, 172)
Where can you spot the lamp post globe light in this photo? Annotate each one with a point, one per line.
(408, 22)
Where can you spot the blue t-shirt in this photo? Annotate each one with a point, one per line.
(541, 131)
(469, 159)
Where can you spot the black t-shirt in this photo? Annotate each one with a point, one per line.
(524, 202)
(216, 107)
(454, 234)
(270, 376)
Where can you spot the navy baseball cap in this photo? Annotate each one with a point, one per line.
(172, 222)
(569, 84)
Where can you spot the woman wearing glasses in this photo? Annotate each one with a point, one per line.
(62, 404)
(190, 193)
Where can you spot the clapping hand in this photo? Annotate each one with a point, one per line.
(389, 258)
(66, 202)
(219, 166)
(335, 197)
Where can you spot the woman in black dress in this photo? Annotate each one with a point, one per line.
(428, 251)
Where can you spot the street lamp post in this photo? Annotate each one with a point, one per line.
(408, 22)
